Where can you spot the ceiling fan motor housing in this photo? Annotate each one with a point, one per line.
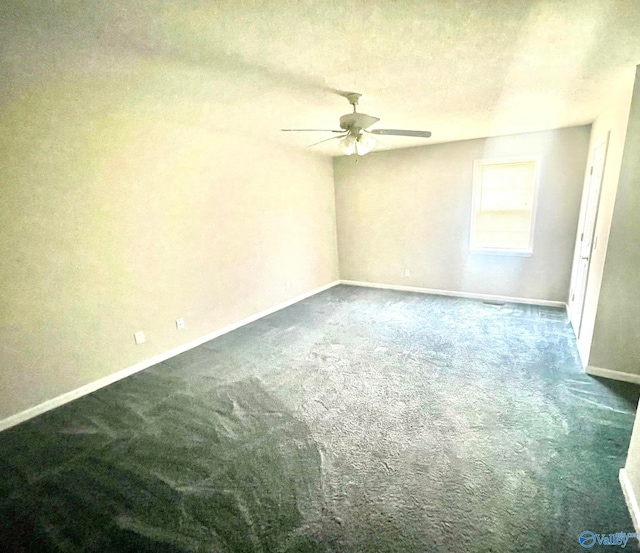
(357, 121)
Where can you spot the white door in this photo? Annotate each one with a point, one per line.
(587, 242)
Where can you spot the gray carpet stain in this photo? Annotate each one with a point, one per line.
(355, 420)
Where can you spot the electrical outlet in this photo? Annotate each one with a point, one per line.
(288, 284)
(139, 337)
(407, 273)
(180, 324)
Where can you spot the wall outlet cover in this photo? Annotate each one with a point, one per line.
(139, 337)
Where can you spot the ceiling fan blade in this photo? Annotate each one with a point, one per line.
(399, 132)
(326, 140)
(312, 130)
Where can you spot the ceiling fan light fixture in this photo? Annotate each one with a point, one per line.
(348, 144)
(364, 144)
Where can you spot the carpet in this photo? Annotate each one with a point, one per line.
(356, 420)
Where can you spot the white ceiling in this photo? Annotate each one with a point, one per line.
(462, 69)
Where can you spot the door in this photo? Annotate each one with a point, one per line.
(587, 242)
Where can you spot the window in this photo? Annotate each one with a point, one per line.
(504, 198)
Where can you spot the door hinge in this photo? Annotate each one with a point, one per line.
(573, 297)
(581, 236)
(591, 170)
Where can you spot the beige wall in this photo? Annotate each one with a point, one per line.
(613, 303)
(120, 212)
(616, 336)
(410, 209)
(611, 123)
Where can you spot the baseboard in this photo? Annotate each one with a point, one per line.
(31, 412)
(507, 299)
(613, 375)
(630, 499)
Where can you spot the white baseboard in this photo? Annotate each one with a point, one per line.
(110, 379)
(630, 498)
(508, 299)
(613, 375)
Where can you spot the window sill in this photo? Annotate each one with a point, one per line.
(495, 251)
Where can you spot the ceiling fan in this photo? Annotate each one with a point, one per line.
(355, 135)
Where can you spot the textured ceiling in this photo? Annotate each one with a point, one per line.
(462, 69)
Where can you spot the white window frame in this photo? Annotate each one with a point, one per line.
(477, 182)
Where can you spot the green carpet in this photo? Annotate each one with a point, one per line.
(357, 420)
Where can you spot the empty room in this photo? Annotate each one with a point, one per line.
(319, 276)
